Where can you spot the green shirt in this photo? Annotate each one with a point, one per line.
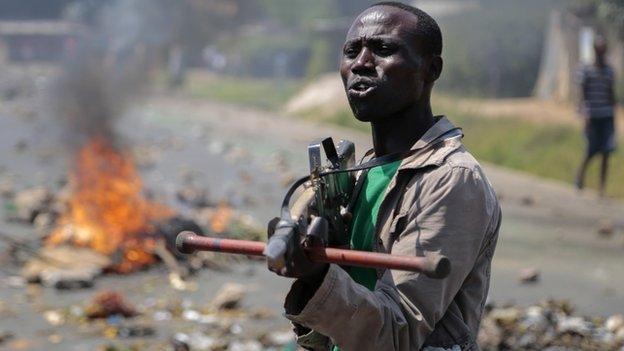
(362, 228)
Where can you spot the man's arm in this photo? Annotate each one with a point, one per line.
(451, 216)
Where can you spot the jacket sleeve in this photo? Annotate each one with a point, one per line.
(451, 216)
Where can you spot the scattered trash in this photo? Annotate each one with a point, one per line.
(547, 326)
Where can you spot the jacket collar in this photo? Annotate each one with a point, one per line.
(435, 145)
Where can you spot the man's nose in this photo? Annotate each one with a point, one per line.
(365, 61)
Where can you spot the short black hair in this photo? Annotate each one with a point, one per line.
(427, 27)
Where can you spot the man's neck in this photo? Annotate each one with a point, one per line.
(601, 63)
(399, 132)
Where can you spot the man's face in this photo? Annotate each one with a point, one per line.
(382, 65)
(600, 49)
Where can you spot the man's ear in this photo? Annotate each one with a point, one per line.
(435, 68)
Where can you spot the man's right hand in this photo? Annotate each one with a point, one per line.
(293, 262)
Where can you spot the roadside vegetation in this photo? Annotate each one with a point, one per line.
(548, 150)
(262, 93)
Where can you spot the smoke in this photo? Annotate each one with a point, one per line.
(107, 69)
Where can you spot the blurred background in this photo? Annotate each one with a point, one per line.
(127, 121)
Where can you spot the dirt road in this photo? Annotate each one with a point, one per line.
(248, 157)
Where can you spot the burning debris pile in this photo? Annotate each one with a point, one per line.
(107, 211)
(551, 326)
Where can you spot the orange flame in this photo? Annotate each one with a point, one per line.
(107, 211)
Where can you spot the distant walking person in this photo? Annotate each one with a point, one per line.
(598, 110)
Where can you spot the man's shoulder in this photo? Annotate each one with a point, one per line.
(460, 168)
(459, 160)
(462, 159)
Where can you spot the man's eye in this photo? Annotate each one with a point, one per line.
(350, 52)
(385, 50)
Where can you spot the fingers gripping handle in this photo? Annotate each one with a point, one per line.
(277, 246)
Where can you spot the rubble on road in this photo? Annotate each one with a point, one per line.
(550, 325)
(57, 266)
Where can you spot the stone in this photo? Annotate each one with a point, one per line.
(54, 318)
(606, 228)
(69, 279)
(7, 187)
(506, 316)
(109, 303)
(490, 335)
(44, 221)
(193, 341)
(575, 325)
(527, 200)
(529, 276)
(619, 335)
(229, 297)
(5, 336)
(614, 323)
(249, 345)
(280, 338)
(30, 202)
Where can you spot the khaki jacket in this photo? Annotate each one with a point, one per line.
(438, 202)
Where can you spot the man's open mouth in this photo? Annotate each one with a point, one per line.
(361, 89)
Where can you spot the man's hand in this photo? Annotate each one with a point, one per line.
(294, 262)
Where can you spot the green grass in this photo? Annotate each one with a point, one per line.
(548, 150)
(267, 94)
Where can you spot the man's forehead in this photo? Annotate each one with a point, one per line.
(382, 20)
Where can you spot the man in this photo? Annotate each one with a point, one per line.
(598, 111)
(437, 200)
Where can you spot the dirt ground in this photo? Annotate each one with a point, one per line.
(546, 225)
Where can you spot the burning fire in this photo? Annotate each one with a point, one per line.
(107, 210)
